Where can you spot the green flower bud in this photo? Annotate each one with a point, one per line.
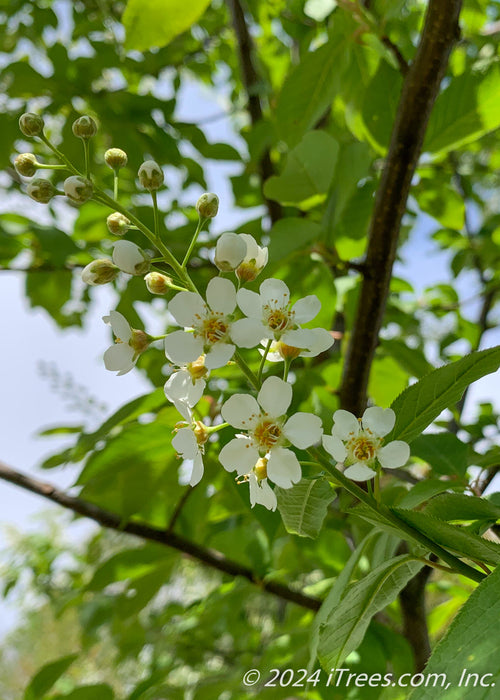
(31, 124)
(41, 190)
(78, 189)
(26, 164)
(99, 271)
(151, 175)
(115, 158)
(117, 224)
(84, 127)
(158, 283)
(208, 205)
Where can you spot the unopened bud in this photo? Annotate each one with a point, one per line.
(197, 369)
(229, 251)
(158, 283)
(84, 127)
(130, 258)
(117, 224)
(26, 164)
(99, 271)
(139, 341)
(208, 205)
(78, 189)
(115, 158)
(41, 190)
(31, 124)
(200, 432)
(150, 175)
(260, 469)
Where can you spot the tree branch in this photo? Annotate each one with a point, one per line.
(208, 556)
(420, 89)
(251, 82)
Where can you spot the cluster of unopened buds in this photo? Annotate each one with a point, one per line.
(210, 330)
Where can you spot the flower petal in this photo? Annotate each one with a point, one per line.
(219, 355)
(334, 446)
(359, 472)
(241, 411)
(249, 303)
(127, 255)
(261, 492)
(379, 420)
(239, 455)
(274, 292)
(184, 442)
(306, 309)
(345, 424)
(300, 338)
(393, 455)
(283, 467)
(322, 341)
(187, 308)
(275, 396)
(221, 295)
(182, 347)
(303, 429)
(197, 472)
(119, 325)
(119, 357)
(248, 332)
(180, 387)
(184, 410)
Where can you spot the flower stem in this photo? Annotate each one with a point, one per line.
(263, 360)
(115, 183)
(155, 213)
(60, 155)
(286, 369)
(86, 151)
(200, 225)
(246, 370)
(53, 166)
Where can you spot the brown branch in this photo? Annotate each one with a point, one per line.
(251, 82)
(420, 89)
(402, 62)
(208, 556)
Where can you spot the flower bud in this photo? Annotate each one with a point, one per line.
(78, 189)
(31, 124)
(41, 190)
(117, 224)
(254, 260)
(130, 258)
(99, 271)
(229, 251)
(84, 127)
(115, 158)
(150, 175)
(157, 283)
(26, 164)
(208, 205)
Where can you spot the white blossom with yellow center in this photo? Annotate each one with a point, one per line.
(268, 431)
(189, 443)
(210, 323)
(185, 387)
(358, 444)
(122, 356)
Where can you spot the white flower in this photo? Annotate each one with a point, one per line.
(130, 258)
(268, 431)
(260, 491)
(210, 322)
(358, 443)
(185, 387)
(320, 341)
(270, 316)
(230, 250)
(129, 344)
(189, 443)
(254, 261)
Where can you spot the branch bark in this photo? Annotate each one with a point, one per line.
(208, 556)
(420, 89)
(251, 81)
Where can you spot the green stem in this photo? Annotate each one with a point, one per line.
(54, 166)
(60, 155)
(392, 519)
(115, 183)
(263, 360)
(86, 151)
(155, 213)
(376, 489)
(201, 222)
(246, 370)
(286, 369)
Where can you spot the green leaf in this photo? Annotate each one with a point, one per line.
(470, 643)
(445, 453)
(422, 402)
(459, 507)
(308, 172)
(444, 204)
(303, 507)
(154, 23)
(451, 537)
(129, 564)
(347, 623)
(45, 678)
(468, 109)
(309, 90)
(412, 360)
(387, 380)
(291, 234)
(99, 691)
(425, 489)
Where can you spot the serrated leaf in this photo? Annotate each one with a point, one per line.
(347, 623)
(303, 507)
(422, 402)
(425, 489)
(456, 506)
(154, 23)
(45, 678)
(445, 453)
(470, 643)
(453, 538)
